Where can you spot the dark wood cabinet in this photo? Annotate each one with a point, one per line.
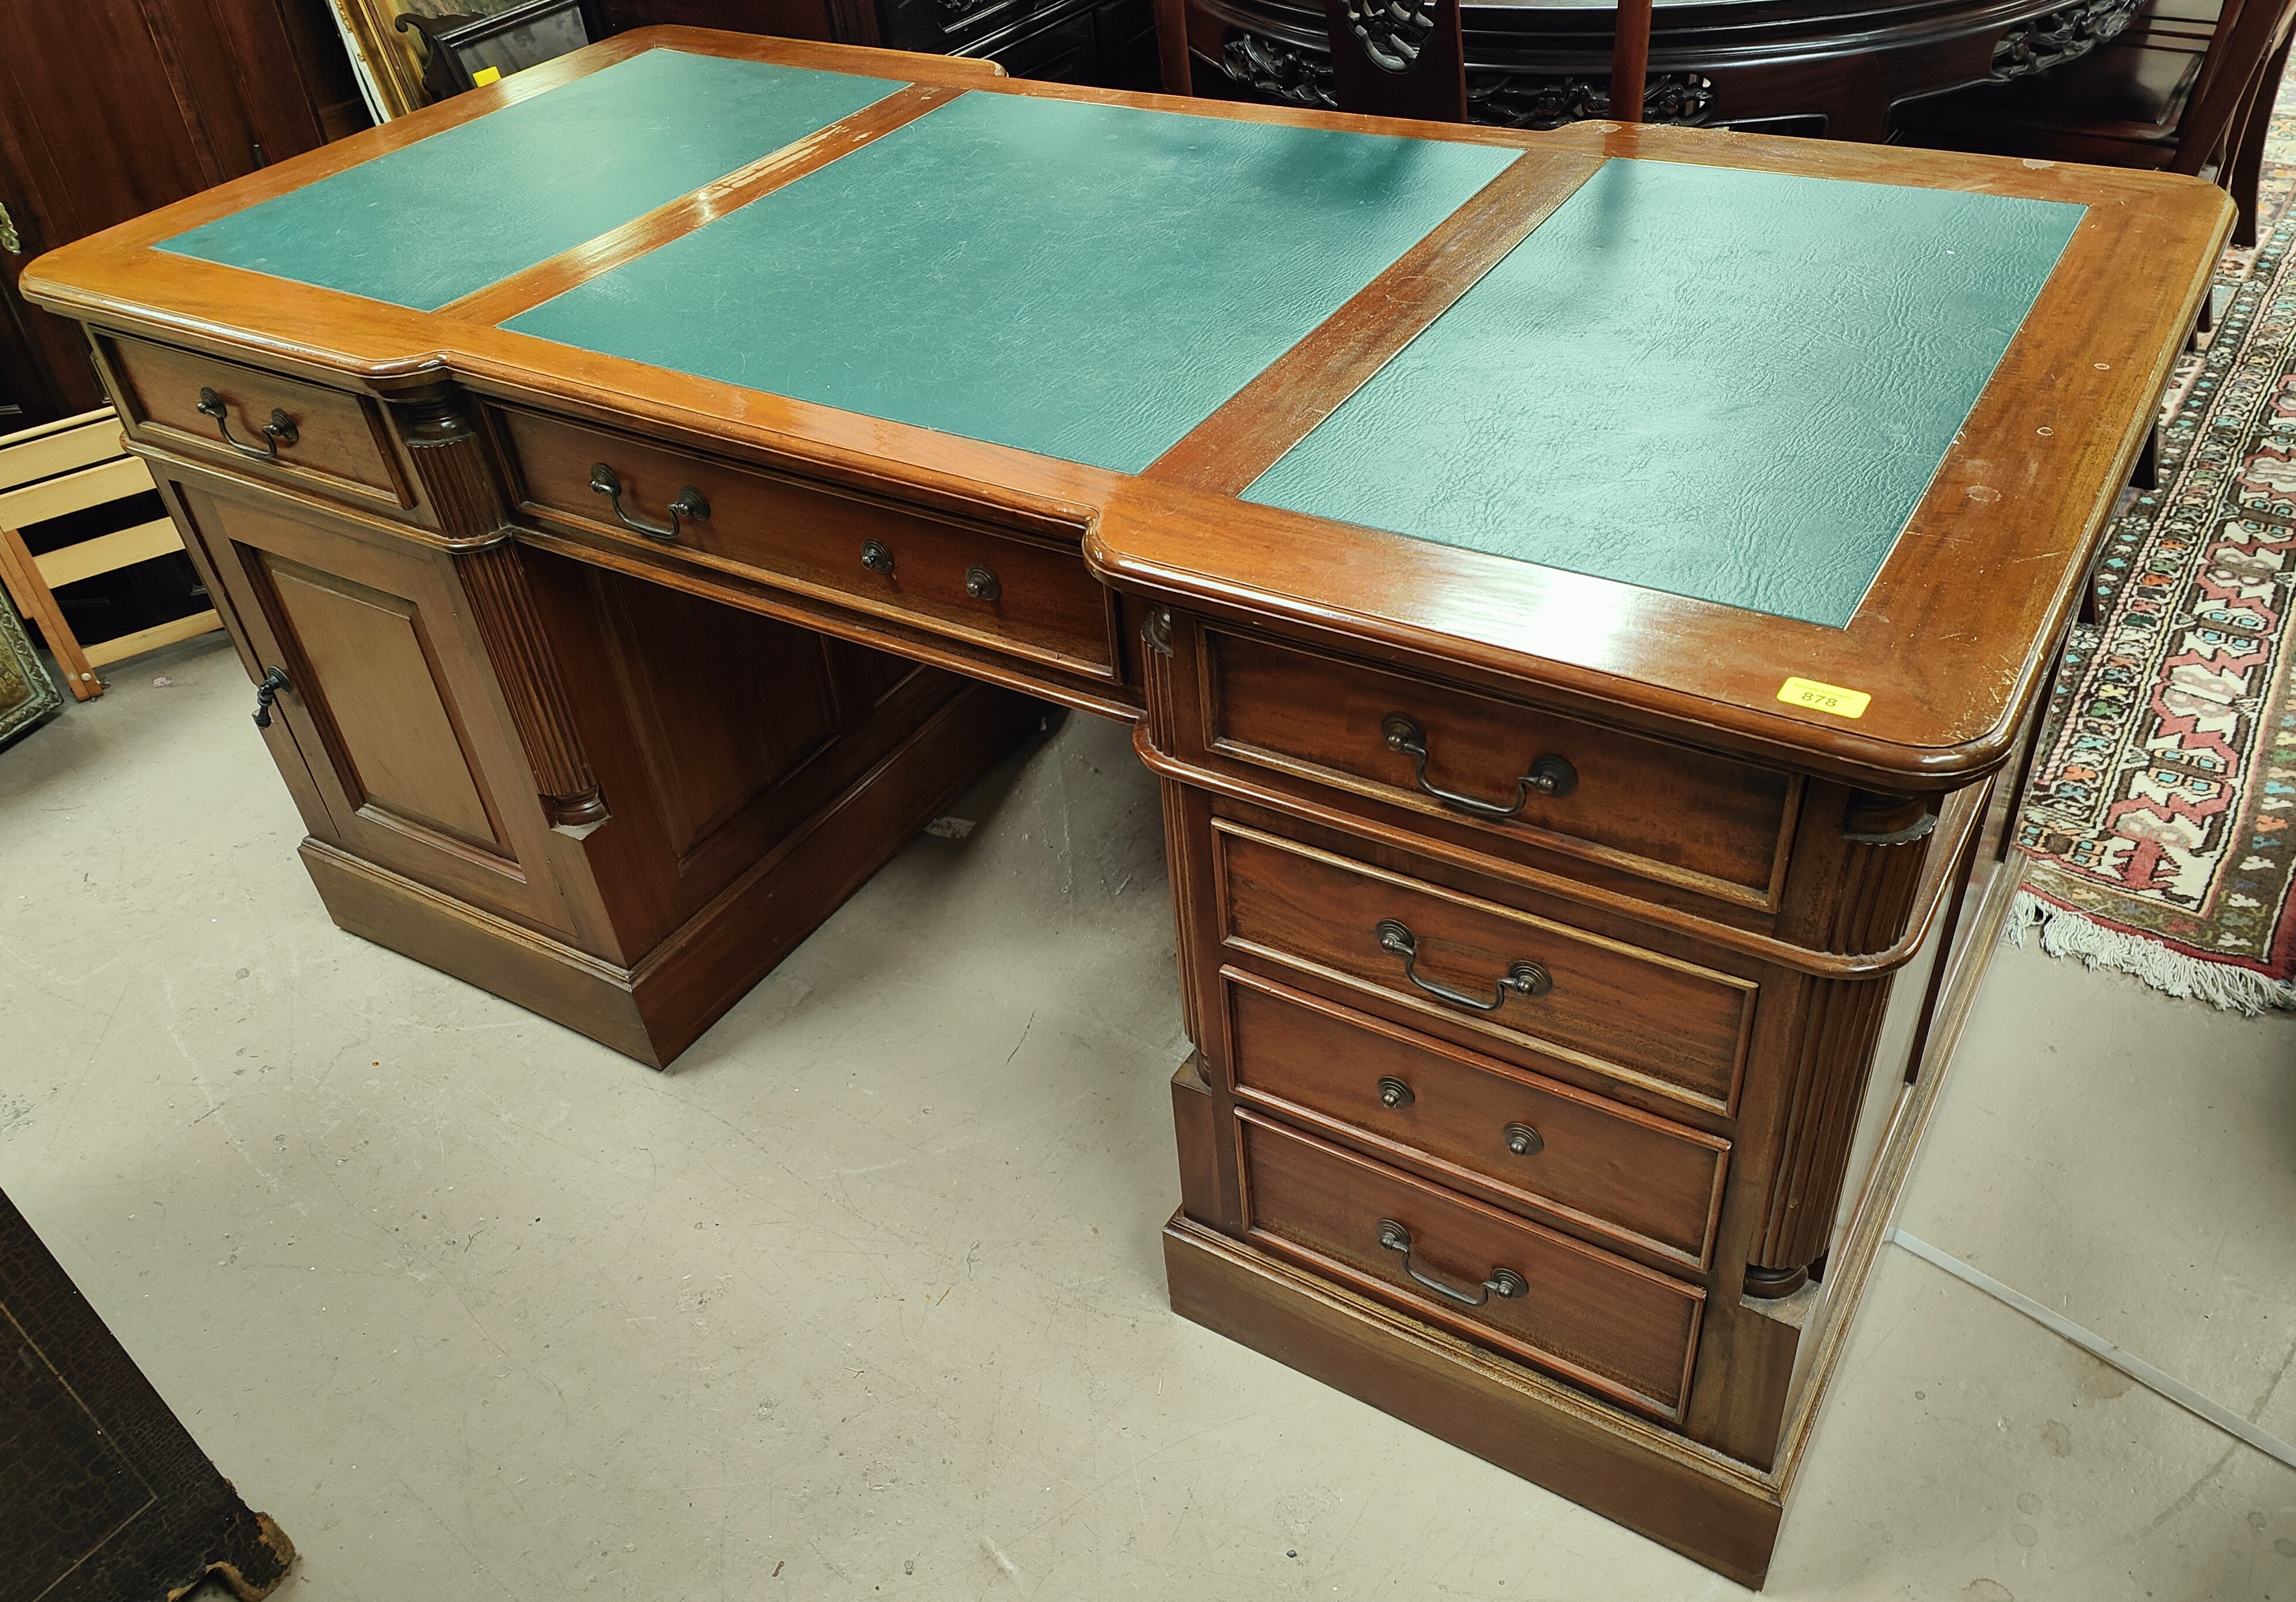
(1110, 44)
(190, 92)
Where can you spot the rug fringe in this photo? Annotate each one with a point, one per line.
(2066, 933)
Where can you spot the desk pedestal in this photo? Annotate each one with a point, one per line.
(611, 803)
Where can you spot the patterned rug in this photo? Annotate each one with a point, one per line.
(2161, 817)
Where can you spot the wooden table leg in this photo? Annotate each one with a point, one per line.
(33, 598)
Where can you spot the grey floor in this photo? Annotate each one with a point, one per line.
(864, 1297)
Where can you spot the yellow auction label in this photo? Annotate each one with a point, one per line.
(484, 75)
(1825, 697)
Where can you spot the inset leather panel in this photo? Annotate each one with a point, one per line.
(1087, 282)
(1720, 383)
(449, 214)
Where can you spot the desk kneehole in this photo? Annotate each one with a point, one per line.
(1022, 594)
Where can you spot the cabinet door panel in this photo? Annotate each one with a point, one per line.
(392, 706)
(400, 749)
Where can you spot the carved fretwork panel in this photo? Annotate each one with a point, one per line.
(2060, 37)
(1292, 76)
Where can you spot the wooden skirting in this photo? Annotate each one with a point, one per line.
(656, 1010)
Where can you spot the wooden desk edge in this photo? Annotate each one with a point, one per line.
(1946, 751)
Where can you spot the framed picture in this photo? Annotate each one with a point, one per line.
(444, 47)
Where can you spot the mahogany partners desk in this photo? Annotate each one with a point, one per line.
(1584, 595)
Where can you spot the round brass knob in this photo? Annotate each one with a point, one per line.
(1523, 1141)
(980, 583)
(877, 557)
(1393, 1091)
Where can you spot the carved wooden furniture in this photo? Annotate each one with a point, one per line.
(103, 1494)
(1833, 70)
(75, 465)
(2180, 90)
(192, 92)
(1408, 60)
(1108, 42)
(1578, 888)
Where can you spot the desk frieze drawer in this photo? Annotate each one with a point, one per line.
(1524, 988)
(1519, 780)
(1622, 1330)
(1523, 1141)
(258, 424)
(1012, 592)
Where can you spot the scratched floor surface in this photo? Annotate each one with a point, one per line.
(864, 1298)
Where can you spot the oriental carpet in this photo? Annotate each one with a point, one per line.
(2161, 818)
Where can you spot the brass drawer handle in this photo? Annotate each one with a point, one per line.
(691, 504)
(1523, 1141)
(1394, 1092)
(1523, 979)
(280, 430)
(1550, 775)
(980, 583)
(274, 680)
(1505, 1283)
(877, 557)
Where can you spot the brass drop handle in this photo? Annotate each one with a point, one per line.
(691, 505)
(1522, 978)
(1505, 1283)
(877, 557)
(1394, 1092)
(280, 430)
(274, 680)
(1523, 1141)
(980, 583)
(1550, 775)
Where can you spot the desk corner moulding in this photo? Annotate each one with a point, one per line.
(1585, 741)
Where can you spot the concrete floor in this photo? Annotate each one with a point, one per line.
(864, 1298)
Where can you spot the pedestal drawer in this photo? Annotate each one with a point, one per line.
(258, 422)
(1526, 986)
(1030, 596)
(1463, 1119)
(1610, 1325)
(1525, 779)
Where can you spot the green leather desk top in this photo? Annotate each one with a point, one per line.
(1087, 282)
(469, 207)
(1724, 384)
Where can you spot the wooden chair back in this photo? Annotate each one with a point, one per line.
(1408, 58)
(2236, 82)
